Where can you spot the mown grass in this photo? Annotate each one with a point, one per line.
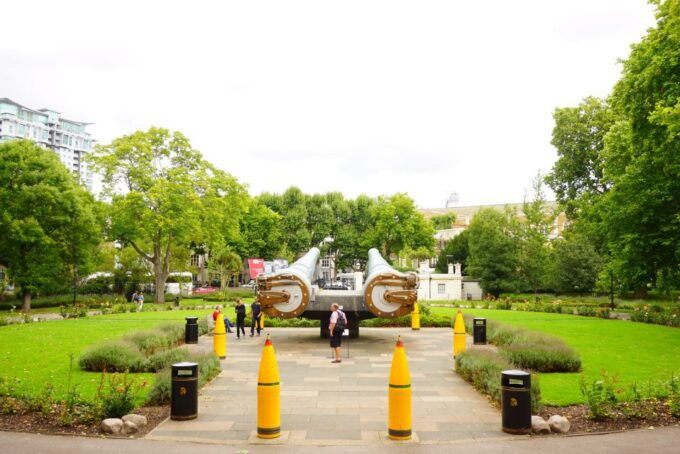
(39, 353)
(637, 352)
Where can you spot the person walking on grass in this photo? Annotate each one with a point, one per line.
(140, 300)
(336, 328)
(240, 318)
(255, 313)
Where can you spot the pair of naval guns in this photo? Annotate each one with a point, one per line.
(386, 293)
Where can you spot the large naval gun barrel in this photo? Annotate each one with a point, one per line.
(286, 292)
(388, 292)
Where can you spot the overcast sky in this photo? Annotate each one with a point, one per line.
(375, 97)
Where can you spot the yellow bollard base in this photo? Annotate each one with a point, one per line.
(399, 434)
(268, 433)
(415, 329)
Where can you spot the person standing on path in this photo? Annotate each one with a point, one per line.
(140, 299)
(337, 327)
(240, 318)
(255, 313)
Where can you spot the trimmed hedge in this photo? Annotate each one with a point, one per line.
(530, 349)
(143, 351)
(483, 369)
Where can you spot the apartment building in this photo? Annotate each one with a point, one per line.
(67, 138)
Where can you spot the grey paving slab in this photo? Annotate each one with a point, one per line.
(339, 404)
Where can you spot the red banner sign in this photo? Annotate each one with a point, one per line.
(256, 267)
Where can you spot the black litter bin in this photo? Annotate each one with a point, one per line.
(516, 401)
(191, 331)
(184, 395)
(479, 331)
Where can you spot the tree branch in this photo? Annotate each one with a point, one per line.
(140, 252)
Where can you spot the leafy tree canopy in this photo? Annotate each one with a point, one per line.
(162, 192)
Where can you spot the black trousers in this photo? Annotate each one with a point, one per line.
(255, 323)
(240, 325)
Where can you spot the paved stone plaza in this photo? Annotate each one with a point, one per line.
(339, 404)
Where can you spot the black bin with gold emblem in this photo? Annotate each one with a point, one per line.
(516, 401)
(479, 331)
(191, 330)
(184, 395)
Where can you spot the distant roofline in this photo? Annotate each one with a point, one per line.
(483, 206)
(44, 111)
(9, 101)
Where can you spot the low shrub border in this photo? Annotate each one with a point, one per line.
(529, 349)
(483, 369)
(143, 351)
(657, 314)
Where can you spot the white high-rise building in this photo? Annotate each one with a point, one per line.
(67, 138)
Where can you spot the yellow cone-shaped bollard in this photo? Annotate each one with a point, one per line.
(268, 394)
(261, 320)
(415, 318)
(220, 338)
(459, 338)
(399, 396)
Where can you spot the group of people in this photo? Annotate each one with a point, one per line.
(338, 321)
(337, 326)
(255, 323)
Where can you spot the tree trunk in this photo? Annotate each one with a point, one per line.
(25, 300)
(223, 281)
(159, 289)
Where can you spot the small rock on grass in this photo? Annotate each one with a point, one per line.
(129, 427)
(539, 425)
(559, 424)
(139, 420)
(112, 425)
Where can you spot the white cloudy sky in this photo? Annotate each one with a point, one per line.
(424, 97)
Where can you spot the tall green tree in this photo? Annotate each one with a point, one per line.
(48, 222)
(225, 262)
(398, 225)
(456, 250)
(575, 264)
(494, 250)
(640, 214)
(162, 191)
(533, 239)
(578, 136)
(292, 206)
(260, 232)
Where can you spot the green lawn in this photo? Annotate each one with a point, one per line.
(638, 352)
(38, 353)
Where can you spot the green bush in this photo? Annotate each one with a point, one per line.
(483, 369)
(163, 359)
(529, 349)
(92, 301)
(656, 314)
(119, 395)
(208, 367)
(229, 294)
(542, 357)
(161, 338)
(113, 356)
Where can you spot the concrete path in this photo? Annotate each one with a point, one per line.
(666, 440)
(339, 404)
